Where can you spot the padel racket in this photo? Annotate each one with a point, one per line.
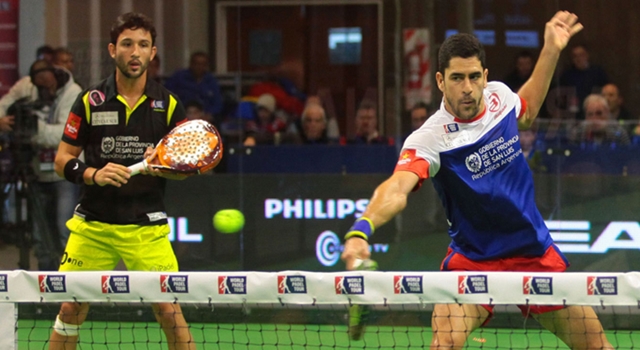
(359, 314)
(193, 147)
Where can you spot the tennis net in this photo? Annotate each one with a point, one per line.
(307, 310)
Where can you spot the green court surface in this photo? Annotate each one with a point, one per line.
(128, 335)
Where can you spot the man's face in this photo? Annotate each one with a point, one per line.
(45, 80)
(462, 85)
(418, 117)
(527, 138)
(524, 66)
(132, 52)
(611, 93)
(64, 60)
(366, 122)
(580, 58)
(199, 65)
(194, 112)
(597, 115)
(313, 123)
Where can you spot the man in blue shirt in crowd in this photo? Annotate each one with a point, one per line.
(196, 83)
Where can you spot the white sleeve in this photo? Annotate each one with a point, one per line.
(49, 135)
(23, 88)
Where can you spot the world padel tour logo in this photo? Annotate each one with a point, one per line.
(3, 283)
(174, 284)
(599, 285)
(292, 284)
(537, 285)
(232, 285)
(407, 284)
(115, 284)
(349, 284)
(52, 283)
(472, 284)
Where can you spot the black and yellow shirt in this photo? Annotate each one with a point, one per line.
(108, 130)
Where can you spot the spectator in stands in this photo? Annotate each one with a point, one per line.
(615, 100)
(266, 128)
(153, 71)
(525, 61)
(531, 154)
(314, 127)
(45, 52)
(587, 78)
(63, 58)
(599, 128)
(197, 83)
(195, 110)
(419, 115)
(367, 127)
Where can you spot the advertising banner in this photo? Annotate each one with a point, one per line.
(8, 44)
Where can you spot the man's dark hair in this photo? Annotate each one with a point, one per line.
(199, 54)
(420, 105)
(194, 103)
(40, 66)
(132, 20)
(461, 45)
(525, 54)
(366, 105)
(44, 50)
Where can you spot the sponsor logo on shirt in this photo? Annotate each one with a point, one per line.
(406, 156)
(156, 216)
(157, 105)
(407, 284)
(494, 102)
(292, 284)
(537, 285)
(72, 126)
(96, 98)
(52, 283)
(449, 128)
(349, 284)
(108, 144)
(472, 284)
(174, 284)
(473, 162)
(232, 285)
(104, 118)
(115, 284)
(599, 285)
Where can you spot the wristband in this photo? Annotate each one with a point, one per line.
(93, 177)
(74, 171)
(362, 228)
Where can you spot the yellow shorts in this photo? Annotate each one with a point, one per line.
(97, 246)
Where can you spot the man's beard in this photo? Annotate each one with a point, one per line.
(124, 69)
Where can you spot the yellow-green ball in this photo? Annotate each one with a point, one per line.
(228, 221)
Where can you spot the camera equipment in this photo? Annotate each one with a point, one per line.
(18, 176)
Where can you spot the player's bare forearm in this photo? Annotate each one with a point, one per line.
(390, 197)
(557, 33)
(65, 153)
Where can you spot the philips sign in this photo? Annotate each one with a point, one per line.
(313, 208)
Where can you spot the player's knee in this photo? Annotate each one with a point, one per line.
(71, 316)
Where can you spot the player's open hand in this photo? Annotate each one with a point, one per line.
(355, 248)
(112, 174)
(6, 123)
(560, 29)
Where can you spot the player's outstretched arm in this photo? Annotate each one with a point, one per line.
(557, 33)
(388, 200)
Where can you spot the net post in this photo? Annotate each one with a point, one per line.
(8, 326)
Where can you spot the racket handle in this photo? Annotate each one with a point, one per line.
(138, 167)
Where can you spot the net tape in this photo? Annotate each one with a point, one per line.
(316, 288)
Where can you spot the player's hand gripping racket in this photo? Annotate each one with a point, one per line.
(359, 314)
(193, 147)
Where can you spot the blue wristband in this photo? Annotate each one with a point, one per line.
(362, 228)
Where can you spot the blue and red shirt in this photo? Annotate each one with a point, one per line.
(482, 177)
